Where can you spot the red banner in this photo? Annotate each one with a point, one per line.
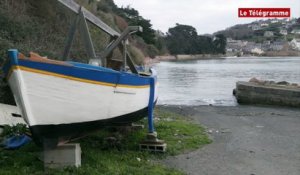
(264, 12)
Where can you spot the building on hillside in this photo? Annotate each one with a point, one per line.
(288, 25)
(248, 49)
(268, 34)
(235, 45)
(295, 44)
(293, 21)
(257, 51)
(296, 31)
(277, 45)
(283, 32)
(255, 27)
(266, 45)
(267, 42)
(264, 25)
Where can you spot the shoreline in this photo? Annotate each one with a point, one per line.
(176, 58)
(247, 139)
(188, 109)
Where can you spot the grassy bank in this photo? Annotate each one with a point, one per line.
(119, 157)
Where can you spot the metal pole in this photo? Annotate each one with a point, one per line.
(151, 105)
(70, 38)
(124, 55)
(86, 36)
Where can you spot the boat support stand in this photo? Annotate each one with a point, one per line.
(62, 156)
(152, 143)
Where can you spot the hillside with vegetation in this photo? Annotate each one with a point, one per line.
(282, 29)
(42, 26)
(272, 37)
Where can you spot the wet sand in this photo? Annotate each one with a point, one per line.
(250, 140)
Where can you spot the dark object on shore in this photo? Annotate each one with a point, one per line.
(234, 92)
(16, 141)
(267, 92)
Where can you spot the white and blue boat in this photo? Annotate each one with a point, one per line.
(62, 100)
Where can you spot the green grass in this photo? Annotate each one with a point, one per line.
(121, 157)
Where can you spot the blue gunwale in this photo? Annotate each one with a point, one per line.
(81, 71)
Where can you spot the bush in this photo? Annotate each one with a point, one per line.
(137, 55)
(152, 51)
(18, 129)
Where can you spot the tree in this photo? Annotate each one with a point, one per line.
(182, 39)
(220, 43)
(205, 45)
(134, 19)
(106, 5)
(160, 43)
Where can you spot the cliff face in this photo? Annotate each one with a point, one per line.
(42, 26)
(32, 26)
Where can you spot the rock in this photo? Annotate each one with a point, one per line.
(294, 84)
(251, 151)
(257, 81)
(270, 82)
(254, 80)
(283, 83)
(234, 92)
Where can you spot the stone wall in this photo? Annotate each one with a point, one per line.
(253, 93)
(188, 57)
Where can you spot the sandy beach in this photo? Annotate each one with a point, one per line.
(250, 140)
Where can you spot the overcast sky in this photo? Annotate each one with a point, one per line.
(207, 16)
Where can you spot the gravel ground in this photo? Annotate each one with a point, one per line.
(247, 140)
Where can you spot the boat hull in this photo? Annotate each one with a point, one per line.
(61, 133)
(64, 101)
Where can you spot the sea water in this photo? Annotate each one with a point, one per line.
(211, 82)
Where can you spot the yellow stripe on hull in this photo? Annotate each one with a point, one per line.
(70, 77)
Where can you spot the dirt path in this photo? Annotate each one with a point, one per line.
(246, 140)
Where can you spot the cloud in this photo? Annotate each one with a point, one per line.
(207, 16)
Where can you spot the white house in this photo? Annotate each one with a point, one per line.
(277, 45)
(274, 21)
(268, 34)
(256, 27)
(283, 32)
(296, 31)
(295, 43)
(257, 51)
(264, 25)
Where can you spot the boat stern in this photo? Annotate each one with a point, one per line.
(11, 61)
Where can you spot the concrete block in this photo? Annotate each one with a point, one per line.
(137, 127)
(153, 144)
(153, 147)
(62, 156)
